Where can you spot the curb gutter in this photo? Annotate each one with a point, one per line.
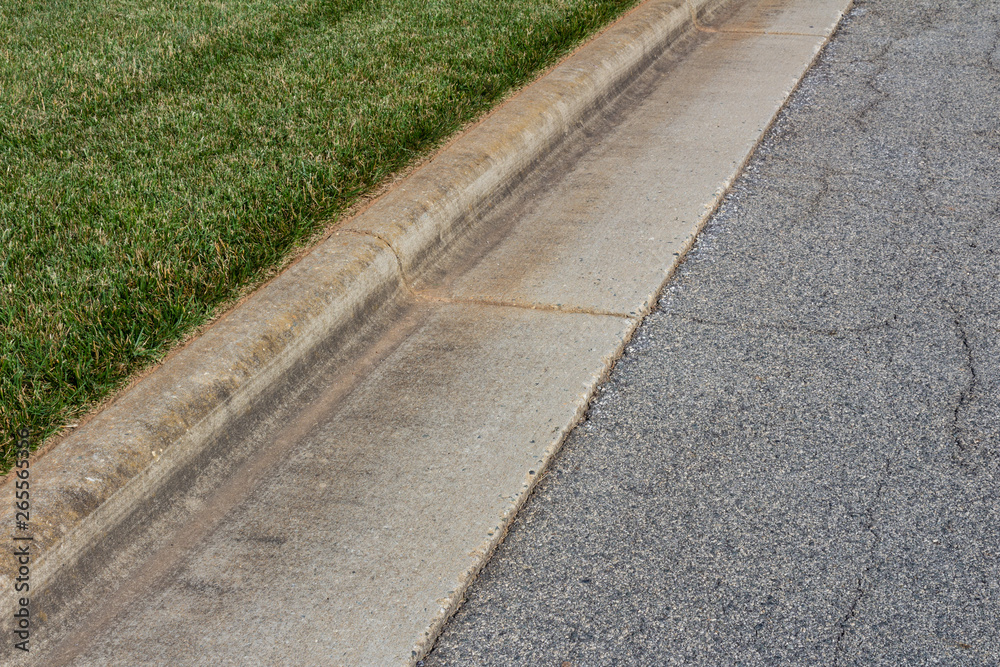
(89, 482)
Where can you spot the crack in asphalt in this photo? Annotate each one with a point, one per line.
(860, 118)
(992, 60)
(787, 328)
(845, 621)
(965, 393)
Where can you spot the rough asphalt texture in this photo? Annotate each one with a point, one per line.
(798, 459)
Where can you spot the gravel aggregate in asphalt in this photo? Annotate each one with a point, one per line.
(797, 460)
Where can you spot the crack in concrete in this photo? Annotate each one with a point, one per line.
(403, 278)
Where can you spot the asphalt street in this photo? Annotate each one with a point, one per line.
(797, 460)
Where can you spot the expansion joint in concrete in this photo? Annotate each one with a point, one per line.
(403, 279)
(426, 296)
(547, 307)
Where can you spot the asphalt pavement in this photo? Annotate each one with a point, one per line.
(797, 460)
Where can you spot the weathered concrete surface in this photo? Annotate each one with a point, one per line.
(797, 460)
(385, 501)
(775, 17)
(340, 520)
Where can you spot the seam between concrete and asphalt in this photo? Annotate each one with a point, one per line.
(128, 452)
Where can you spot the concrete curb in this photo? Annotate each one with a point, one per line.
(130, 450)
(434, 205)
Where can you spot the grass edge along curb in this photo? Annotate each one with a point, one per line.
(159, 162)
(87, 484)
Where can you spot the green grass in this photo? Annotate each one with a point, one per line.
(158, 160)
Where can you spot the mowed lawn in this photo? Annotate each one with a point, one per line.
(157, 158)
